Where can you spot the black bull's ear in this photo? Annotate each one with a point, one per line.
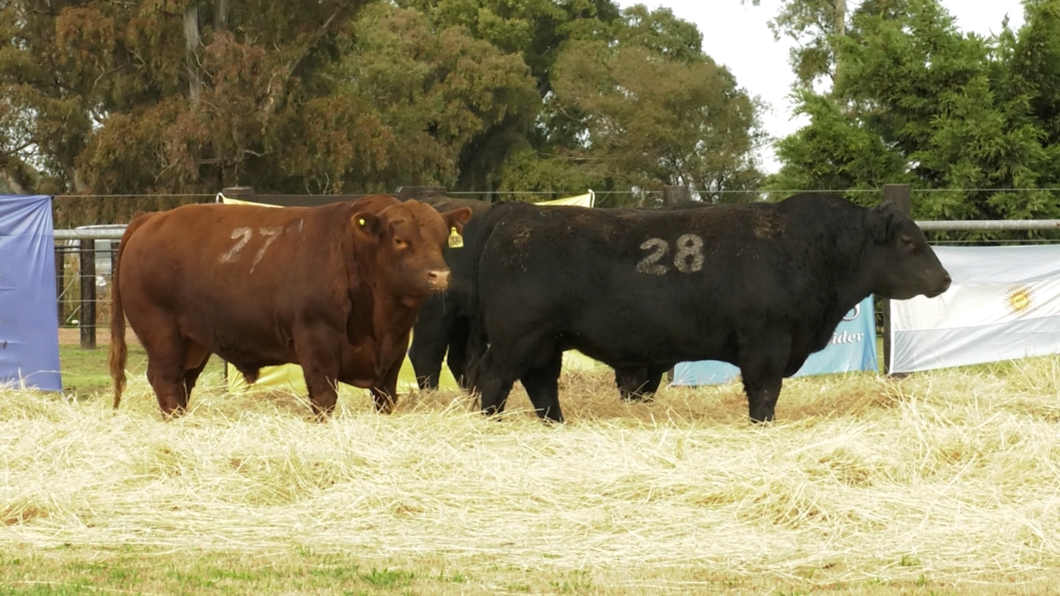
(883, 220)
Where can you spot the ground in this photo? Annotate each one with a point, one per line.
(937, 483)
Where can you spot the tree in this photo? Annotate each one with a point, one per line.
(174, 96)
(189, 96)
(813, 25)
(436, 100)
(535, 29)
(915, 100)
(657, 110)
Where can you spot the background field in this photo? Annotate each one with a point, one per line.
(940, 483)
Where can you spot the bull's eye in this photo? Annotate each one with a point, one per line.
(907, 240)
(401, 243)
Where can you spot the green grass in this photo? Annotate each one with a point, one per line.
(130, 570)
(85, 372)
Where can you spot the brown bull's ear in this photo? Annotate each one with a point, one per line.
(366, 223)
(457, 218)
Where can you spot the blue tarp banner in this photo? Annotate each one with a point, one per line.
(853, 347)
(29, 322)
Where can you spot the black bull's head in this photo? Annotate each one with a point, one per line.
(902, 265)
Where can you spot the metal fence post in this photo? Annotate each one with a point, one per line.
(87, 320)
(60, 282)
(902, 196)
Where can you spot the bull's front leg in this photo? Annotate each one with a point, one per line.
(385, 395)
(762, 364)
(318, 355)
(429, 338)
(762, 397)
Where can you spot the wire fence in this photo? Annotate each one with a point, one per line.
(83, 284)
(85, 257)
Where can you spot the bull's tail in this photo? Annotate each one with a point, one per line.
(118, 349)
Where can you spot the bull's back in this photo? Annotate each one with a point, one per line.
(210, 249)
(229, 274)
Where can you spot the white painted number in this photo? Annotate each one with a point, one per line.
(243, 235)
(270, 234)
(687, 259)
(648, 263)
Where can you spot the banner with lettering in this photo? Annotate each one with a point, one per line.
(853, 348)
(1004, 304)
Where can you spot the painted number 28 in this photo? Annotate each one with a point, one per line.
(688, 256)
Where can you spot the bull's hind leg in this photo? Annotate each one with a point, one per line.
(429, 339)
(166, 357)
(459, 335)
(631, 382)
(493, 386)
(195, 358)
(542, 387)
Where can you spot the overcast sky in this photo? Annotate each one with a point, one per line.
(738, 37)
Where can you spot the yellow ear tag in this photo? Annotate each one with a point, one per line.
(361, 221)
(455, 239)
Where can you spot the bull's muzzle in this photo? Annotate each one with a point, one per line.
(438, 279)
(944, 284)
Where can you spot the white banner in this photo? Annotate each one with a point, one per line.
(1004, 304)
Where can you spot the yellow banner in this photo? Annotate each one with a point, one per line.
(585, 200)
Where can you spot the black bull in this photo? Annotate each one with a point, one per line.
(761, 286)
(443, 323)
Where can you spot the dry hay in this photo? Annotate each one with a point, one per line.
(951, 475)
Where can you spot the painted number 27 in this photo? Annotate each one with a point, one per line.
(242, 236)
(688, 256)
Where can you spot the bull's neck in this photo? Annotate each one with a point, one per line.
(851, 284)
(399, 311)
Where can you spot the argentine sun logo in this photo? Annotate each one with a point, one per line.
(1019, 300)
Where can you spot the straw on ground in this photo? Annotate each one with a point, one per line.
(951, 476)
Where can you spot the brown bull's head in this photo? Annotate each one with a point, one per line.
(410, 237)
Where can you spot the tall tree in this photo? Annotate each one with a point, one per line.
(658, 110)
(813, 25)
(434, 99)
(535, 29)
(916, 100)
(176, 96)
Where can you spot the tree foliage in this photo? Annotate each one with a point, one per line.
(813, 25)
(345, 96)
(915, 100)
(655, 108)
